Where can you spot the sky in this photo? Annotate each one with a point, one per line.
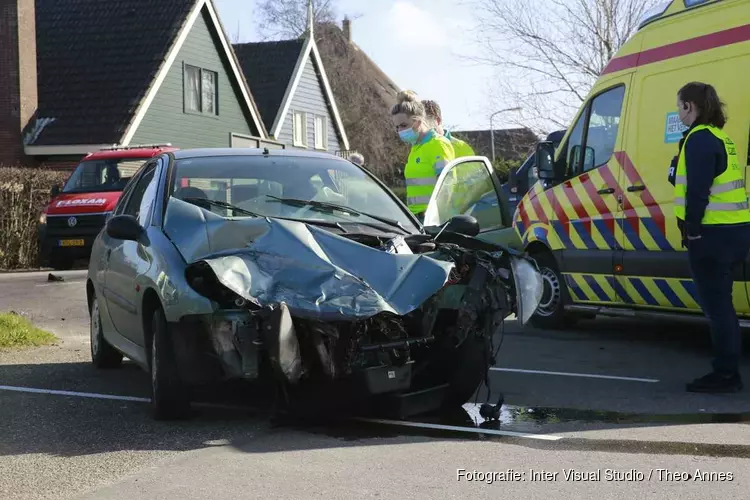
(420, 44)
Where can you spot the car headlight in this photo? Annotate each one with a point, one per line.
(529, 288)
(43, 218)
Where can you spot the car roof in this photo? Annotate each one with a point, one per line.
(144, 153)
(207, 152)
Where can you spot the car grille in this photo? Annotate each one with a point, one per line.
(86, 225)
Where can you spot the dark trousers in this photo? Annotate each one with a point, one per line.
(714, 259)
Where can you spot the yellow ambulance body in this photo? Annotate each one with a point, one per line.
(601, 224)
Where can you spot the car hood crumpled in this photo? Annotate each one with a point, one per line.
(315, 272)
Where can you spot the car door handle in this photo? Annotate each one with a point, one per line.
(606, 191)
(633, 189)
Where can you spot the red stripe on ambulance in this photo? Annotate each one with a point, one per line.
(575, 202)
(648, 200)
(559, 211)
(629, 212)
(682, 48)
(598, 202)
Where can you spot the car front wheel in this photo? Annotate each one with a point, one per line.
(170, 399)
(103, 355)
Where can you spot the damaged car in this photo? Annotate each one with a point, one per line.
(303, 272)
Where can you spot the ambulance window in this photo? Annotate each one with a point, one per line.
(574, 144)
(592, 141)
(603, 126)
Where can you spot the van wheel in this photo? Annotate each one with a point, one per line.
(170, 399)
(551, 313)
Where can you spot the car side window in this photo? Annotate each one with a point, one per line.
(467, 189)
(123, 201)
(144, 193)
(592, 141)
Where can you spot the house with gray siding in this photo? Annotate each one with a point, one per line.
(293, 94)
(127, 72)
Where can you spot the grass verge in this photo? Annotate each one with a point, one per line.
(17, 331)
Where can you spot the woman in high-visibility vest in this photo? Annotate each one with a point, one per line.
(430, 152)
(711, 206)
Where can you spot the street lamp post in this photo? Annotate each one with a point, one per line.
(492, 129)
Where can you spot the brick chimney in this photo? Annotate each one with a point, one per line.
(347, 28)
(18, 78)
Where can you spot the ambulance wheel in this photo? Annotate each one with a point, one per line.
(551, 313)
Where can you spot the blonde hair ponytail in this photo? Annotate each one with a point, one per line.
(409, 104)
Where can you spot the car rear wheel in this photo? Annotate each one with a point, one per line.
(170, 399)
(103, 355)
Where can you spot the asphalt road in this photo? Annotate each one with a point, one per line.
(607, 397)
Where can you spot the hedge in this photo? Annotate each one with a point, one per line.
(24, 193)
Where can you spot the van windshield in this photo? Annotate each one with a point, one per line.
(102, 175)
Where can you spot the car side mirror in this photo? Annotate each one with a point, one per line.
(54, 190)
(124, 227)
(544, 160)
(463, 224)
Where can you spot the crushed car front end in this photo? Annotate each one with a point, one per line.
(300, 308)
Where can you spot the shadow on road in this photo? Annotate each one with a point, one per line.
(69, 426)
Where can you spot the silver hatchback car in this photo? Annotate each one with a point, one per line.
(300, 270)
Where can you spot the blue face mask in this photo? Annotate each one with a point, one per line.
(409, 136)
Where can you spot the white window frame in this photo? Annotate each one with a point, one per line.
(321, 140)
(298, 134)
(201, 104)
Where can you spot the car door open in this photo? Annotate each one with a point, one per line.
(469, 186)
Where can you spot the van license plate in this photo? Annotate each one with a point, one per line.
(71, 243)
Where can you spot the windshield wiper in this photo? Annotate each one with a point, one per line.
(218, 203)
(342, 208)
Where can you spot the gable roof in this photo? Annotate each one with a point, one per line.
(268, 66)
(98, 73)
(254, 61)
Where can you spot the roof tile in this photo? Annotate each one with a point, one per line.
(268, 67)
(96, 60)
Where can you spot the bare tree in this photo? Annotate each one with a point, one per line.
(286, 19)
(550, 52)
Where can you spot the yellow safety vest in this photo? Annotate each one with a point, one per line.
(420, 173)
(461, 148)
(727, 200)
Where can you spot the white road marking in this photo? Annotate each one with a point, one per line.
(93, 395)
(584, 375)
(62, 283)
(474, 430)
(72, 393)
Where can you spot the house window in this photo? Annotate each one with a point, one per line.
(321, 132)
(201, 94)
(300, 129)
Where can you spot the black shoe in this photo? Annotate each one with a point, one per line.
(716, 383)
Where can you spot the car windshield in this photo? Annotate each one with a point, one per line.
(102, 175)
(288, 186)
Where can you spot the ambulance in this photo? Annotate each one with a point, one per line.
(77, 211)
(601, 223)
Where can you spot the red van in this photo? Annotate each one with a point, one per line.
(78, 211)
